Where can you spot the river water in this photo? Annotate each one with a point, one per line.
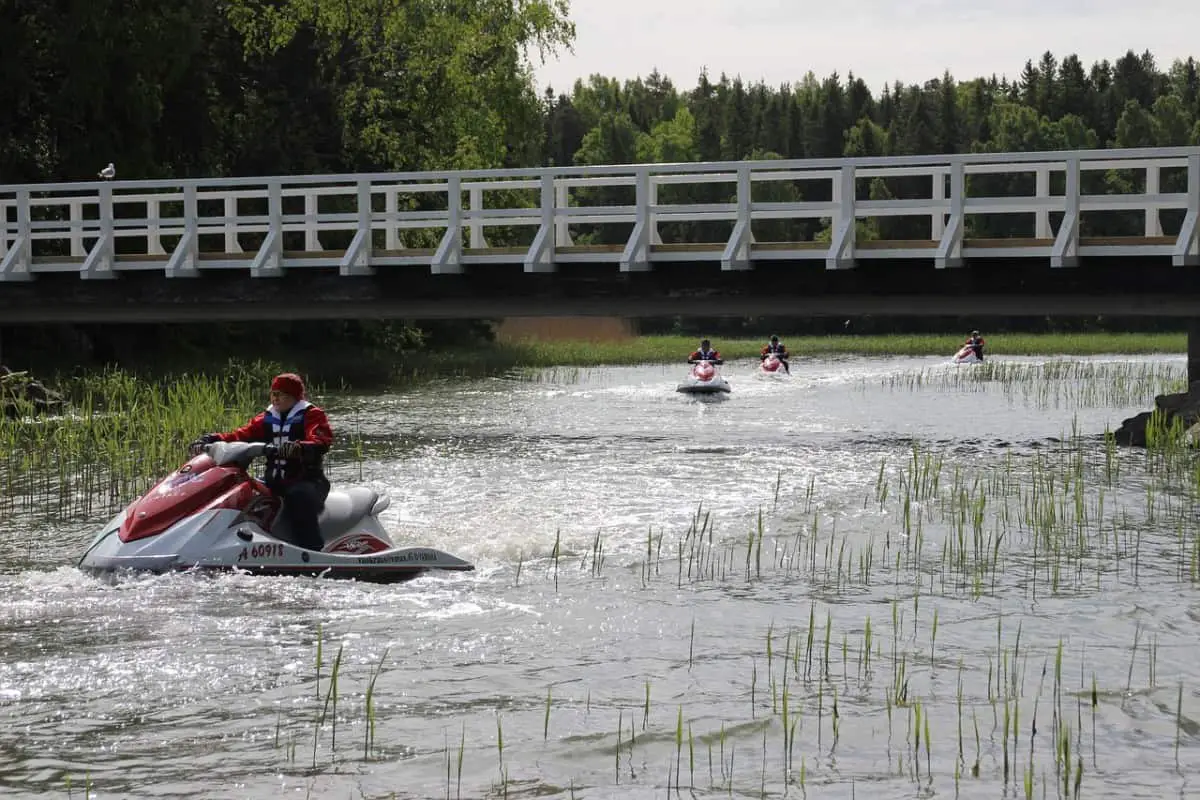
(878, 578)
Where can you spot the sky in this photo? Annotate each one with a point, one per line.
(881, 41)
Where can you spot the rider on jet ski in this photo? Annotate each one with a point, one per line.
(705, 353)
(779, 349)
(301, 433)
(975, 342)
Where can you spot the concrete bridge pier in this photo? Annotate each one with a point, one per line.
(1193, 351)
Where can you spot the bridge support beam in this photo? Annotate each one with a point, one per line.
(636, 255)
(540, 257)
(949, 251)
(184, 260)
(447, 260)
(737, 249)
(1187, 246)
(1065, 252)
(357, 260)
(841, 246)
(268, 261)
(15, 263)
(98, 264)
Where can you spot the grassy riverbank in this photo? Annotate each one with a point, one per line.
(654, 349)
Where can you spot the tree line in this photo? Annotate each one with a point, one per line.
(191, 88)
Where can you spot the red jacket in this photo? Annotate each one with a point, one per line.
(313, 433)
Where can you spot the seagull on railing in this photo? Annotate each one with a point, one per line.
(108, 173)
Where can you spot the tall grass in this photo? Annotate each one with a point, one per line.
(118, 434)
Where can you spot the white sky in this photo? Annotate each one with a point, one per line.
(879, 40)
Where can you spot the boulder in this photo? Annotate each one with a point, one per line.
(1179, 408)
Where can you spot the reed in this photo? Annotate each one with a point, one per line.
(120, 433)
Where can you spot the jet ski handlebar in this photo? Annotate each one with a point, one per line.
(241, 453)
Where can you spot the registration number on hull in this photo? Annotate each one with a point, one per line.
(261, 551)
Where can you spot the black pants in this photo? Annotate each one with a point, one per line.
(302, 503)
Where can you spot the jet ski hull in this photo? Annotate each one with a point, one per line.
(966, 356)
(703, 378)
(772, 367)
(248, 548)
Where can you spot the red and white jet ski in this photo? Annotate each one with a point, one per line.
(966, 355)
(704, 378)
(210, 514)
(772, 366)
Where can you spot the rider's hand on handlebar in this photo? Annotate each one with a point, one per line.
(197, 447)
(290, 450)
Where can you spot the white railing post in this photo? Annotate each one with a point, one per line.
(562, 230)
(312, 238)
(949, 251)
(1065, 252)
(231, 237)
(268, 261)
(652, 216)
(938, 218)
(1153, 221)
(540, 256)
(842, 225)
(153, 239)
(98, 265)
(636, 255)
(1187, 247)
(18, 261)
(184, 259)
(448, 258)
(1042, 193)
(357, 260)
(77, 248)
(475, 227)
(737, 250)
(391, 206)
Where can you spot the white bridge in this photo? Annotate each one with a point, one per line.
(188, 226)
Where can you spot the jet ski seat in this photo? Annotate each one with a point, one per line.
(345, 508)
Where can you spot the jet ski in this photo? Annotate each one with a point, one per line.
(703, 378)
(211, 514)
(772, 366)
(966, 355)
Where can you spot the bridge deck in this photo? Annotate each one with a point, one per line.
(611, 253)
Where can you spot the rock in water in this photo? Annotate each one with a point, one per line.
(1180, 408)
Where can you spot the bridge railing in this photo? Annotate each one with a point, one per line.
(442, 220)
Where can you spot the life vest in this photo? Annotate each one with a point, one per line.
(285, 429)
(706, 355)
(776, 348)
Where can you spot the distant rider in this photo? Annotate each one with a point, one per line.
(779, 349)
(975, 342)
(705, 353)
(301, 433)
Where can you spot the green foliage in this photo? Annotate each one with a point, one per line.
(269, 86)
